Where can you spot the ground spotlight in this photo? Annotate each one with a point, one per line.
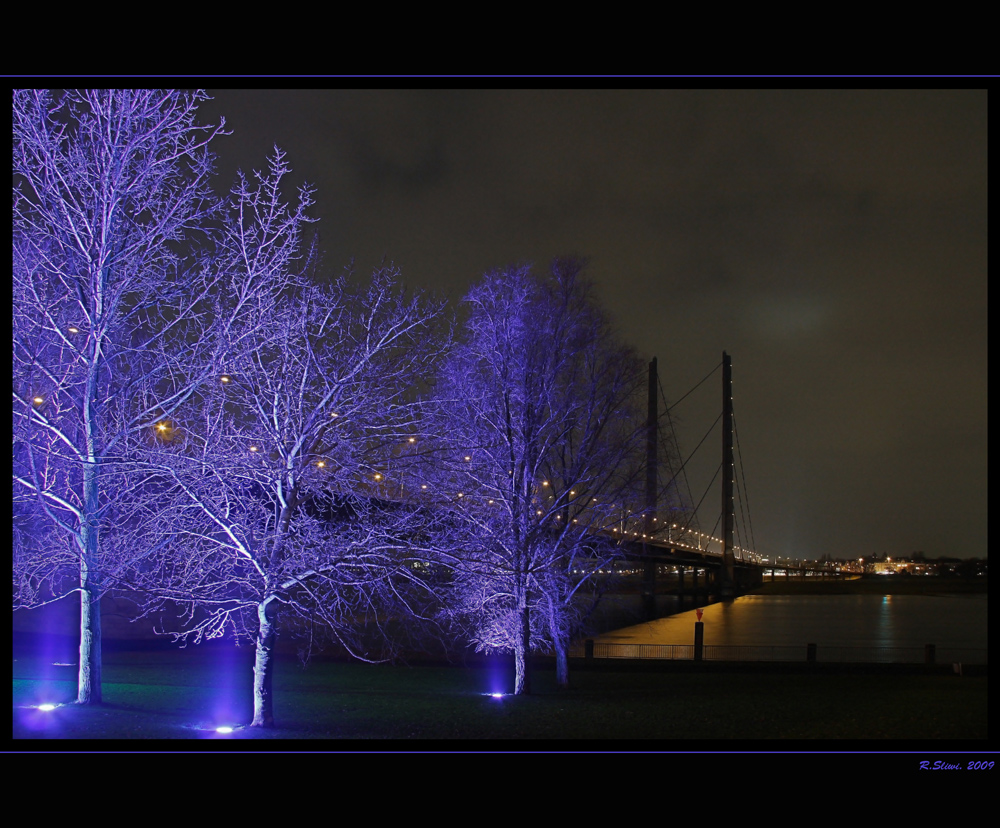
(209, 730)
(46, 707)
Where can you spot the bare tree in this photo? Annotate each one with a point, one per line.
(541, 409)
(108, 187)
(278, 481)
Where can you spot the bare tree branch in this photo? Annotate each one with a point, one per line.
(109, 189)
(540, 415)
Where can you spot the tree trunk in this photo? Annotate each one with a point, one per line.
(522, 649)
(263, 669)
(89, 675)
(559, 644)
(562, 662)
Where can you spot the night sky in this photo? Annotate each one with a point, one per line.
(833, 242)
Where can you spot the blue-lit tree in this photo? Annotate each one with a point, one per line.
(541, 412)
(279, 480)
(109, 187)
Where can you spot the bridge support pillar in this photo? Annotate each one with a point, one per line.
(649, 575)
(726, 575)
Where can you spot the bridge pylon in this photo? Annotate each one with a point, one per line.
(726, 575)
(649, 568)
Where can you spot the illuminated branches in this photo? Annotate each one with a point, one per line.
(193, 416)
(276, 506)
(540, 408)
(108, 187)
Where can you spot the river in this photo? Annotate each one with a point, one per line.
(955, 624)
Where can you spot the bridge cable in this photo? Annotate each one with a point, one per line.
(742, 539)
(694, 513)
(746, 493)
(682, 471)
(676, 446)
(716, 368)
(716, 527)
(707, 490)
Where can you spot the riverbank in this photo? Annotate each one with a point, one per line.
(875, 585)
(187, 694)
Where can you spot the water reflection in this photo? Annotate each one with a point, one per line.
(824, 620)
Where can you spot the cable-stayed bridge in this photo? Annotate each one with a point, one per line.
(727, 560)
(660, 529)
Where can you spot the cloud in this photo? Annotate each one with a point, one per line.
(787, 317)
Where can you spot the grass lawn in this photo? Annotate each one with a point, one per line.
(186, 694)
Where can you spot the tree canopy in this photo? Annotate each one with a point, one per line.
(540, 411)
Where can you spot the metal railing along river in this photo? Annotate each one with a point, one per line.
(927, 654)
